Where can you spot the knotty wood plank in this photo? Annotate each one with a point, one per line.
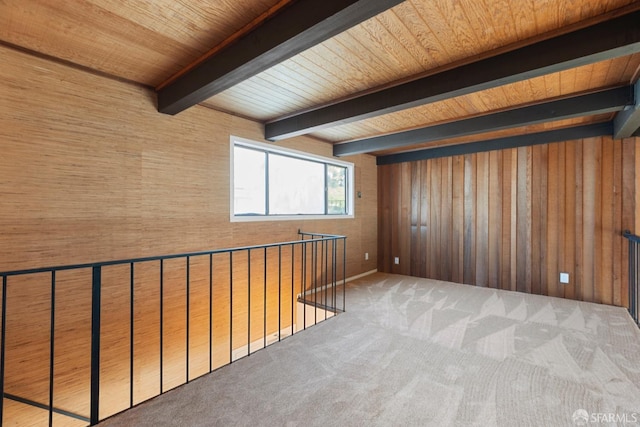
(482, 221)
(425, 227)
(404, 237)
(570, 212)
(537, 220)
(579, 190)
(561, 230)
(458, 217)
(608, 184)
(416, 242)
(469, 274)
(435, 197)
(619, 261)
(505, 259)
(384, 218)
(553, 227)
(630, 176)
(446, 219)
(522, 244)
(495, 217)
(598, 232)
(590, 170)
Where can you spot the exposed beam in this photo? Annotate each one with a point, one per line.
(296, 28)
(606, 40)
(627, 122)
(583, 105)
(547, 137)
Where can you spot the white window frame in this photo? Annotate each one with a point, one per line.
(350, 190)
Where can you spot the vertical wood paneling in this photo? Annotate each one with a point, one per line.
(607, 278)
(495, 217)
(457, 220)
(553, 208)
(482, 219)
(629, 194)
(469, 271)
(562, 206)
(434, 224)
(579, 245)
(598, 290)
(537, 217)
(416, 243)
(569, 243)
(505, 243)
(523, 226)
(424, 218)
(516, 218)
(588, 217)
(445, 215)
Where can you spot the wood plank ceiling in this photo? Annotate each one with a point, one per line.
(150, 41)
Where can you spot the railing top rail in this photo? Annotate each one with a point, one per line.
(631, 236)
(324, 237)
(306, 233)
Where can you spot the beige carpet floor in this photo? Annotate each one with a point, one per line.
(418, 352)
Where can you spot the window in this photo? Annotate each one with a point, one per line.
(270, 182)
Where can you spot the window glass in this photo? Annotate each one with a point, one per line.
(296, 186)
(336, 190)
(249, 196)
(270, 182)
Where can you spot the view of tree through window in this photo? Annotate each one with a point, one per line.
(272, 183)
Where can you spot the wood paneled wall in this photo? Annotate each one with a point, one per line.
(514, 219)
(90, 171)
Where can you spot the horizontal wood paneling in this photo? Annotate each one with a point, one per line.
(89, 172)
(514, 219)
(411, 39)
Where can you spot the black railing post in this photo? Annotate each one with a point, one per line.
(279, 291)
(210, 312)
(631, 278)
(52, 335)
(161, 326)
(326, 276)
(230, 307)
(634, 274)
(96, 285)
(249, 303)
(334, 275)
(303, 284)
(131, 331)
(264, 303)
(315, 281)
(293, 251)
(344, 274)
(3, 344)
(188, 303)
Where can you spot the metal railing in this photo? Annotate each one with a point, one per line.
(634, 274)
(303, 275)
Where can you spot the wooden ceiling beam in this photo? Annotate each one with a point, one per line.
(627, 122)
(607, 101)
(547, 137)
(616, 37)
(297, 27)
